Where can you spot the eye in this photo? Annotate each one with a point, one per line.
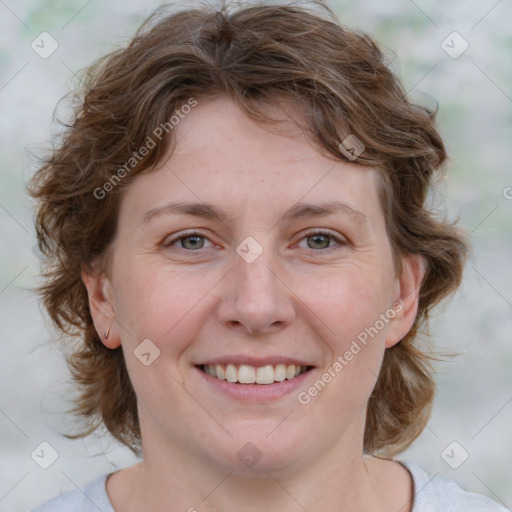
(188, 241)
(322, 239)
(193, 241)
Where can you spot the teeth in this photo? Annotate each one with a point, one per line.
(245, 374)
(265, 374)
(280, 372)
(231, 373)
(221, 373)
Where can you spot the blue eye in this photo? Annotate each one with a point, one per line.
(194, 241)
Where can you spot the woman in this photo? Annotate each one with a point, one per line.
(251, 368)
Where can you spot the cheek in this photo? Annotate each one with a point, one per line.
(352, 306)
(363, 317)
(161, 304)
(350, 302)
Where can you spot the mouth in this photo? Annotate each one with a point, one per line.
(245, 374)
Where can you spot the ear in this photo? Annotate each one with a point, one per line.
(101, 305)
(406, 298)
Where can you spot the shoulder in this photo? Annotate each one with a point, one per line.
(433, 493)
(91, 498)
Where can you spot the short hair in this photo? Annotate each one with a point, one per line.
(257, 55)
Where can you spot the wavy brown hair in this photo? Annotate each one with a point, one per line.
(258, 55)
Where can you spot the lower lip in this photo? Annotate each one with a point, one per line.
(255, 392)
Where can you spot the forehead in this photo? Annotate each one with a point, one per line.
(223, 157)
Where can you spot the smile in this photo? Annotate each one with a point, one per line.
(246, 374)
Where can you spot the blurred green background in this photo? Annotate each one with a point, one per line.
(474, 96)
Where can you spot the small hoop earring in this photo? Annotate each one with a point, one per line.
(107, 332)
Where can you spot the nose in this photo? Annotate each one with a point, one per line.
(256, 297)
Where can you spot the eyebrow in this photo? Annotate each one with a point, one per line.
(299, 210)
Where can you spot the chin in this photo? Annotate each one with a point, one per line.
(260, 446)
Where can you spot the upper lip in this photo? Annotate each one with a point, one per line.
(257, 362)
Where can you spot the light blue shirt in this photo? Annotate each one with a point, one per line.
(431, 494)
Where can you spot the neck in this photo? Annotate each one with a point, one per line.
(339, 479)
(347, 488)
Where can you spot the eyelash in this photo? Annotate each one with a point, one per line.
(340, 241)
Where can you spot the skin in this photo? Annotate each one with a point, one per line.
(303, 297)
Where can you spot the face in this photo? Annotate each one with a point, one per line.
(250, 256)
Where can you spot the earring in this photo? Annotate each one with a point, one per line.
(107, 332)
